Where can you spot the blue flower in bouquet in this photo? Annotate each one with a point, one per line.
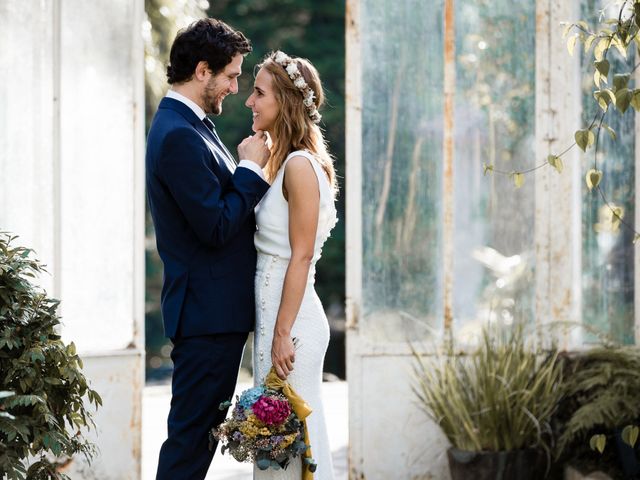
(251, 396)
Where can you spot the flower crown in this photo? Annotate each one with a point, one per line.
(298, 80)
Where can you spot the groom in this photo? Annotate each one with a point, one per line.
(202, 208)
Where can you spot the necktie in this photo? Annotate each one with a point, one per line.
(208, 123)
(228, 158)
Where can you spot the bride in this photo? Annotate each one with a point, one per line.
(293, 220)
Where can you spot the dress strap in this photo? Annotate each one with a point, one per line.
(300, 153)
(317, 168)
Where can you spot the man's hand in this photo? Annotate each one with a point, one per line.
(283, 354)
(254, 148)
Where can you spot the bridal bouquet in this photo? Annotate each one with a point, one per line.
(267, 427)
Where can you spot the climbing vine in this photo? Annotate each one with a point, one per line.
(612, 91)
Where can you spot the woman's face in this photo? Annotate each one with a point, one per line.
(263, 103)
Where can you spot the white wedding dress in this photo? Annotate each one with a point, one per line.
(310, 328)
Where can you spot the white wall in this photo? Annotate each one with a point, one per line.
(72, 188)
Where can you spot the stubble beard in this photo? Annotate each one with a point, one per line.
(213, 98)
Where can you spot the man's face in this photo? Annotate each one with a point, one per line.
(222, 84)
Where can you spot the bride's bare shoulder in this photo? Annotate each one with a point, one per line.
(300, 176)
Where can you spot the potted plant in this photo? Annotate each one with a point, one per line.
(597, 420)
(494, 405)
(43, 390)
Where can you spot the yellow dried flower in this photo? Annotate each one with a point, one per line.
(288, 440)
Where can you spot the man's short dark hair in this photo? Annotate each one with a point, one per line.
(209, 40)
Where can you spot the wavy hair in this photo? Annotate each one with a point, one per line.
(293, 128)
(209, 40)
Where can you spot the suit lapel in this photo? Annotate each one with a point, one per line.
(217, 147)
(220, 153)
(225, 149)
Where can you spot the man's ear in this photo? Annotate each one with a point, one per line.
(202, 69)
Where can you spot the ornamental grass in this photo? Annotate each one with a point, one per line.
(499, 397)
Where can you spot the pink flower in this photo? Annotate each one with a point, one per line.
(271, 411)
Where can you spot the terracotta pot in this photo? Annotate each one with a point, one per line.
(526, 464)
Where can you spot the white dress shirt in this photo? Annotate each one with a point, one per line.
(254, 167)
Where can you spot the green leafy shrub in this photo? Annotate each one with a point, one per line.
(42, 409)
(602, 400)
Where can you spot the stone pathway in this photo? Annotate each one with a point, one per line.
(156, 407)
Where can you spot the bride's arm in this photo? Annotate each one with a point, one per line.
(303, 196)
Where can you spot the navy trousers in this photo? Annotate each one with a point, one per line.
(205, 370)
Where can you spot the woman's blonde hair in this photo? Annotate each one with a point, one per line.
(294, 129)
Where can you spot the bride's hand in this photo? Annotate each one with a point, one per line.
(283, 355)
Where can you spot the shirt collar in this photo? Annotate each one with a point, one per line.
(189, 103)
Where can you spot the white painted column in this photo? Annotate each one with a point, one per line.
(558, 206)
(636, 258)
(353, 254)
(72, 187)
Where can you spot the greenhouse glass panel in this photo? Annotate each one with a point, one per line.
(27, 120)
(402, 132)
(98, 62)
(494, 125)
(608, 250)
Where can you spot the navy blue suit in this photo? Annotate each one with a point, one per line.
(202, 209)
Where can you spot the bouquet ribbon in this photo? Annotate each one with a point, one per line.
(301, 409)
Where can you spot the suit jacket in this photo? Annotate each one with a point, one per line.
(203, 212)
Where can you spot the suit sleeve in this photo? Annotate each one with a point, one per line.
(214, 214)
